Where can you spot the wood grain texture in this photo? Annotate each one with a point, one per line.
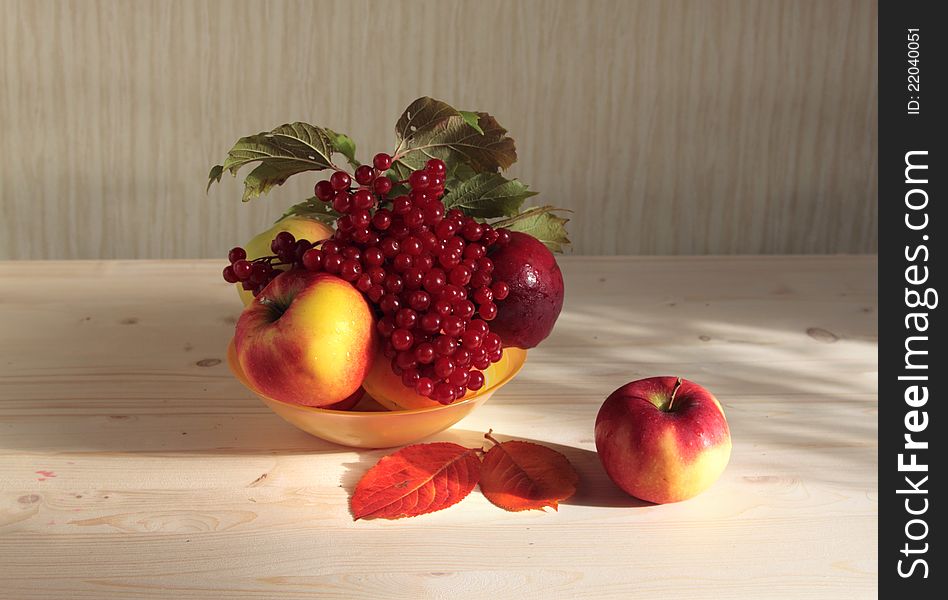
(670, 127)
(132, 465)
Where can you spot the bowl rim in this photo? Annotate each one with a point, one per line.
(238, 373)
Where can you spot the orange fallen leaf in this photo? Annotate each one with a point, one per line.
(519, 475)
(416, 480)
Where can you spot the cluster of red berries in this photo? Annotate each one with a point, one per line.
(424, 269)
(254, 275)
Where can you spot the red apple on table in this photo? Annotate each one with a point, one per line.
(307, 338)
(527, 315)
(663, 439)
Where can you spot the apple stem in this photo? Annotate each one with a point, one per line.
(674, 391)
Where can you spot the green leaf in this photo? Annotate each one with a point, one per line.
(422, 116)
(488, 195)
(287, 150)
(541, 223)
(344, 145)
(471, 119)
(313, 208)
(214, 176)
(430, 128)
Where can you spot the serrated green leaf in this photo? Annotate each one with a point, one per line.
(287, 150)
(422, 116)
(541, 223)
(343, 144)
(488, 195)
(312, 208)
(471, 119)
(430, 128)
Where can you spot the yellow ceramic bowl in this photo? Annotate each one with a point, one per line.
(385, 428)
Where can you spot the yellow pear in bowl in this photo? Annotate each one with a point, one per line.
(301, 228)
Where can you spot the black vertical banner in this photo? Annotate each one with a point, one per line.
(913, 372)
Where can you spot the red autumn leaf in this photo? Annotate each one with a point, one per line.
(417, 479)
(519, 475)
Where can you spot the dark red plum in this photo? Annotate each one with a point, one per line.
(527, 315)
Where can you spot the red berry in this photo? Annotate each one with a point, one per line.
(434, 280)
(382, 186)
(461, 358)
(503, 237)
(389, 247)
(324, 190)
(382, 219)
(478, 326)
(459, 377)
(484, 264)
(377, 274)
(424, 386)
(386, 325)
(413, 278)
(406, 318)
(229, 275)
(460, 275)
(500, 290)
(419, 300)
(333, 263)
(372, 257)
(393, 283)
(259, 272)
(435, 165)
(401, 205)
(236, 254)
(363, 200)
(483, 294)
(402, 262)
(360, 218)
(382, 161)
(464, 309)
(445, 229)
(443, 367)
(475, 381)
(487, 311)
(350, 269)
(443, 308)
(340, 180)
(443, 392)
(363, 282)
(492, 342)
(242, 269)
(364, 174)
(418, 180)
(445, 345)
(472, 231)
(471, 340)
(406, 360)
(410, 378)
(389, 303)
(402, 339)
(375, 293)
(424, 353)
(430, 322)
(341, 202)
(452, 325)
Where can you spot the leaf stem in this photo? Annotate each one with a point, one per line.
(490, 437)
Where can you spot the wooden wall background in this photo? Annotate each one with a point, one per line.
(669, 127)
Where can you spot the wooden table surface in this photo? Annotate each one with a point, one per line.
(132, 465)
